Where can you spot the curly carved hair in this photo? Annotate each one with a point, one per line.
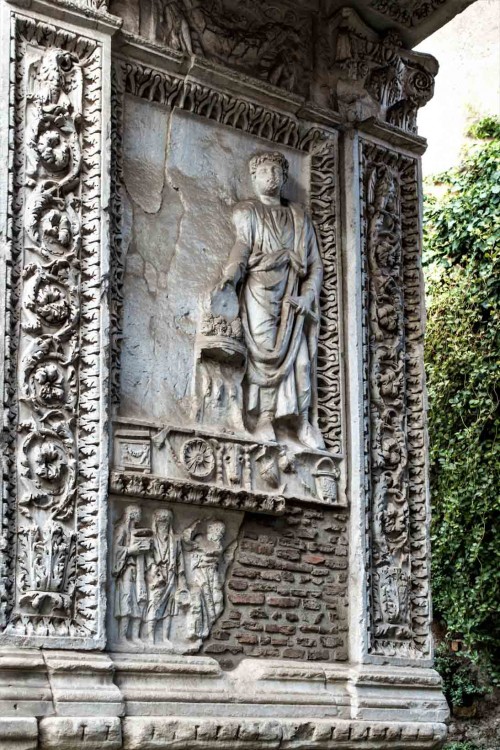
(264, 156)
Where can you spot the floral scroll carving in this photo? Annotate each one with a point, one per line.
(55, 301)
(395, 414)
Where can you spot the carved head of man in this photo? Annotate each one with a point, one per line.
(269, 170)
(162, 522)
(216, 531)
(133, 515)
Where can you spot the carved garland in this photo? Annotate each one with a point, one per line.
(157, 86)
(395, 413)
(53, 309)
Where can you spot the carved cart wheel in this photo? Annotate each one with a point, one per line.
(198, 458)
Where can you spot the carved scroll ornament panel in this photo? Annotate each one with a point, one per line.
(53, 396)
(395, 417)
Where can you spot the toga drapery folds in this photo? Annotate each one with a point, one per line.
(274, 260)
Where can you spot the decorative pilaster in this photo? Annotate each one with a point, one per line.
(395, 419)
(56, 331)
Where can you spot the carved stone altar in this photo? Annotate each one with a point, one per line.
(214, 496)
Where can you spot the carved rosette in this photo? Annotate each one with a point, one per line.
(395, 404)
(50, 507)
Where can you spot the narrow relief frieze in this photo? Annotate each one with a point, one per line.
(395, 404)
(54, 380)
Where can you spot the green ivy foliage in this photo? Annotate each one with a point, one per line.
(462, 268)
(462, 680)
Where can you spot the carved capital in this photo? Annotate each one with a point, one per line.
(373, 75)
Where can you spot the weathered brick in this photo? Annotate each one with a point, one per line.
(245, 573)
(312, 605)
(281, 629)
(319, 654)
(323, 572)
(249, 625)
(263, 586)
(216, 648)
(250, 598)
(279, 640)
(304, 612)
(258, 561)
(271, 575)
(340, 654)
(307, 642)
(293, 653)
(258, 548)
(296, 567)
(331, 641)
(247, 639)
(238, 585)
(224, 636)
(287, 602)
(307, 534)
(229, 625)
(288, 554)
(259, 614)
(313, 559)
(292, 542)
(338, 563)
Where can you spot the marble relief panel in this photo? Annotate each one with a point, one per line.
(167, 573)
(180, 233)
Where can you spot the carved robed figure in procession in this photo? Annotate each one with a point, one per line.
(275, 269)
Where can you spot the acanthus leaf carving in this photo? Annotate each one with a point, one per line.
(386, 80)
(47, 567)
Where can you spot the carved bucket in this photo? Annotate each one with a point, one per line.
(326, 475)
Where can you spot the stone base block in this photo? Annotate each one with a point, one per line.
(155, 733)
(166, 702)
(18, 733)
(80, 733)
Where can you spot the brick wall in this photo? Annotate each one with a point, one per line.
(286, 592)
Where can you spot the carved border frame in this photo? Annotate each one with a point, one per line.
(320, 143)
(394, 405)
(79, 624)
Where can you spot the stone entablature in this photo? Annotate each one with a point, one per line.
(214, 497)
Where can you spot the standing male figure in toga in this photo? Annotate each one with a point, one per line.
(276, 268)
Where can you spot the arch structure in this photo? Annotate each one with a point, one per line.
(214, 505)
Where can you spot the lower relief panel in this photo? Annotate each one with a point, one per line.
(187, 580)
